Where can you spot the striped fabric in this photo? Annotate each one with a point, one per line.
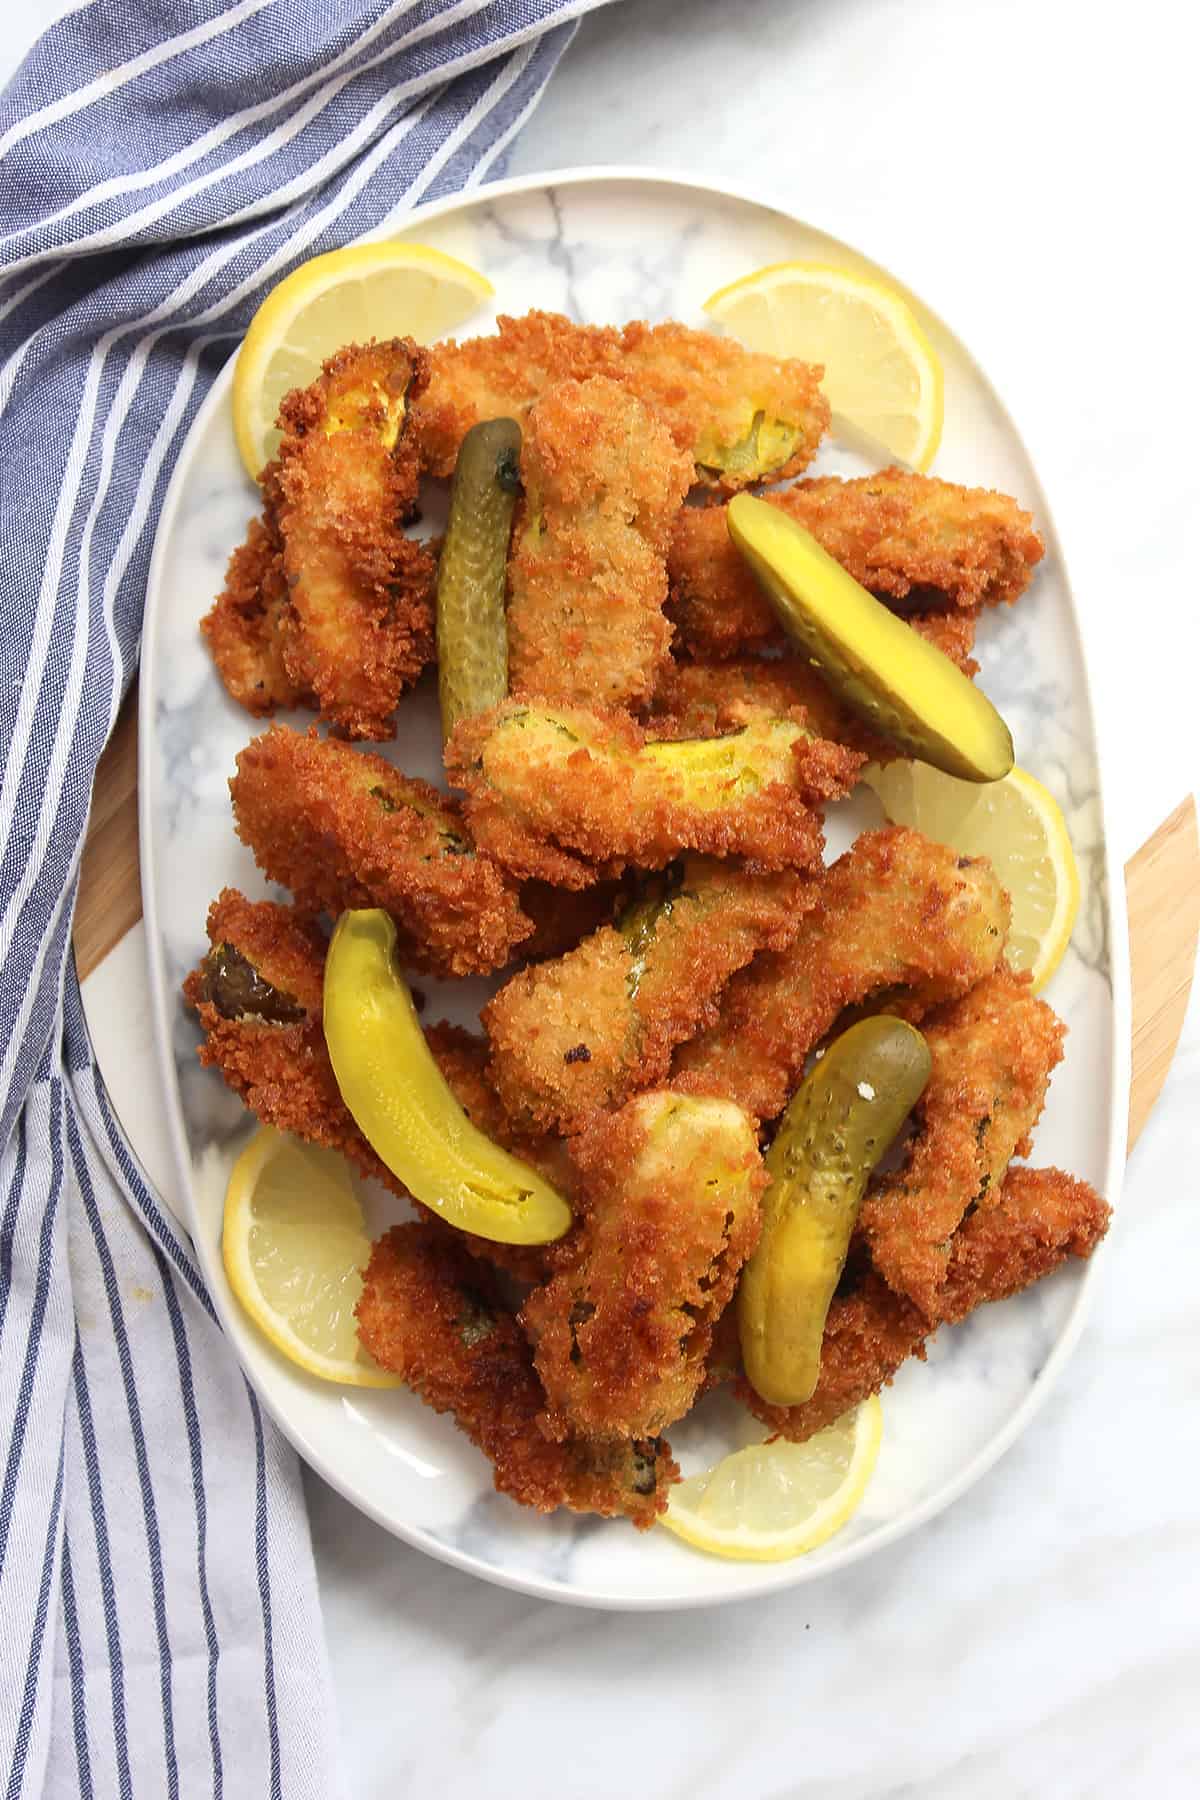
(162, 163)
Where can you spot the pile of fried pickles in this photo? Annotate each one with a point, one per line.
(734, 1117)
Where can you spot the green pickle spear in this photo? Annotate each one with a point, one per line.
(901, 685)
(401, 1103)
(838, 1124)
(472, 634)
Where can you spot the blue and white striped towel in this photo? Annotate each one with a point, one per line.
(162, 163)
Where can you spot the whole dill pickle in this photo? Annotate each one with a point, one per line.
(901, 685)
(472, 636)
(402, 1104)
(837, 1126)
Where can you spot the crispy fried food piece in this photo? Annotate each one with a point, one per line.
(342, 828)
(563, 917)
(920, 544)
(897, 910)
(993, 1052)
(703, 699)
(582, 1033)
(258, 994)
(359, 625)
(1043, 1217)
(243, 627)
(437, 1318)
(588, 573)
(622, 1334)
(739, 416)
(567, 796)
(259, 997)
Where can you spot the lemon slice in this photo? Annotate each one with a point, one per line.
(882, 375)
(294, 1246)
(345, 297)
(772, 1501)
(1017, 824)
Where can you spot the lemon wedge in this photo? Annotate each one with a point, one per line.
(775, 1500)
(294, 1246)
(344, 297)
(1018, 826)
(882, 375)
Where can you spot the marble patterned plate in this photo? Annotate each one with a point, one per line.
(606, 246)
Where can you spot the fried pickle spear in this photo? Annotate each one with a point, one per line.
(740, 417)
(588, 574)
(244, 629)
(704, 699)
(437, 1318)
(567, 796)
(579, 1034)
(603, 482)
(920, 544)
(1042, 1218)
(342, 828)
(993, 1053)
(671, 1212)
(258, 994)
(896, 911)
(359, 627)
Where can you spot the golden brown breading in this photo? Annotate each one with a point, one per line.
(993, 1052)
(568, 796)
(243, 627)
(434, 1316)
(623, 1332)
(359, 624)
(702, 699)
(897, 910)
(741, 417)
(563, 917)
(920, 544)
(258, 995)
(588, 574)
(342, 828)
(1043, 1217)
(580, 1034)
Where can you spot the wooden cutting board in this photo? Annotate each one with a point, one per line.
(1162, 886)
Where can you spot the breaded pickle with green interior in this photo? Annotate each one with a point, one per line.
(895, 680)
(837, 1126)
(564, 794)
(472, 635)
(585, 1030)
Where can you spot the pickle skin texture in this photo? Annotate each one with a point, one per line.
(402, 1104)
(898, 683)
(838, 1124)
(472, 632)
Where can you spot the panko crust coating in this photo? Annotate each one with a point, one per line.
(343, 828)
(436, 1317)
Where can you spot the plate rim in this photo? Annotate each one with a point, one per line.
(760, 1579)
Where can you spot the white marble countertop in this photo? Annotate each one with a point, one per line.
(1027, 167)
